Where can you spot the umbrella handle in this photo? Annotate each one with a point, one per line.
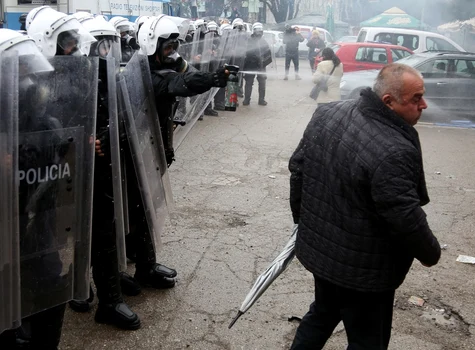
(239, 314)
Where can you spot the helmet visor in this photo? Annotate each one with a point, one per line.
(169, 47)
(76, 35)
(31, 60)
(104, 46)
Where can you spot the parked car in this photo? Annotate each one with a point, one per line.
(275, 39)
(362, 56)
(347, 39)
(449, 79)
(415, 40)
(306, 32)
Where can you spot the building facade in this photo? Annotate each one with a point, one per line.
(12, 9)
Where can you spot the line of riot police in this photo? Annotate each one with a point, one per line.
(91, 113)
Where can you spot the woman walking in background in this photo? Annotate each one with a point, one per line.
(328, 76)
(315, 44)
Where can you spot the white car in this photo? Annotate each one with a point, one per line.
(275, 39)
(415, 40)
(306, 32)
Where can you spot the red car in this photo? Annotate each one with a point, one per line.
(361, 56)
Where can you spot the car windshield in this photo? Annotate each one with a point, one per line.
(334, 47)
(413, 60)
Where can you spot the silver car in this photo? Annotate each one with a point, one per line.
(449, 79)
(275, 39)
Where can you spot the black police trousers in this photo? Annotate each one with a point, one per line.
(42, 331)
(261, 80)
(104, 261)
(367, 318)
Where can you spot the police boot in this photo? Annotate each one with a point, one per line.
(117, 314)
(112, 309)
(262, 93)
(211, 112)
(82, 305)
(129, 285)
(148, 272)
(156, 276)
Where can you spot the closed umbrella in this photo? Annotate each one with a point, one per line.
(263, 282)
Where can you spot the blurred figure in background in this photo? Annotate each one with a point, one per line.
(328, 77)
(315, 45)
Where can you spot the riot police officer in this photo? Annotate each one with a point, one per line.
(171, 77)
(128, 43)
(45, 327)
(111, 309)
(258, 56)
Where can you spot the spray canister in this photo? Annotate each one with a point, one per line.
(232, 88)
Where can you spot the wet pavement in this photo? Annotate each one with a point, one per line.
(232, 217)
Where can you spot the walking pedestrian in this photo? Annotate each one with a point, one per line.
(292, 38)
(357, 189)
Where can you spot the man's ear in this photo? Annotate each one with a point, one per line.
(387, 100)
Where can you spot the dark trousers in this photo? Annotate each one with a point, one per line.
(219, 98)
(261, 80)
(311, 60)
(291, 57)
(43, 330)
(104, 261)
(367, 318)
(194, 12)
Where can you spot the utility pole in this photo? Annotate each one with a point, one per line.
(423, 12)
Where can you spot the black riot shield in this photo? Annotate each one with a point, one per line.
(10, 315)
(146, 144)
(118, 182)
(57, 124)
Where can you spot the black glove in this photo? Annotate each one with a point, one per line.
(170, 156)
(220, 77)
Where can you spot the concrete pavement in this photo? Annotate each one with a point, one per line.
(232, 217)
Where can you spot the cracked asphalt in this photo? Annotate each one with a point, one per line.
(232, 217)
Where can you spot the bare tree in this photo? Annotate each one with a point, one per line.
(283, 10)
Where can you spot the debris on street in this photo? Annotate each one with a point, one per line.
(466, 259)
(416, 301)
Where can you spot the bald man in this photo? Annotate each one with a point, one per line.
(357, 188)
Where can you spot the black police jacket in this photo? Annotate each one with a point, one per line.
(169, 84)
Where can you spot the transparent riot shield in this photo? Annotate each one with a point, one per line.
(190, 109)
(57, 124)
(196, 47)
(146, 144)
(10, 314)
(183, 25)
(116, 163)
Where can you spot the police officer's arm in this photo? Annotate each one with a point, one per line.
(394, 192)
(190, 83)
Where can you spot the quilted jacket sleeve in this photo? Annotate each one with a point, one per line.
(296, 179)
(394, 191)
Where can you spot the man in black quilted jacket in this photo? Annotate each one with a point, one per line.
(356, 190)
